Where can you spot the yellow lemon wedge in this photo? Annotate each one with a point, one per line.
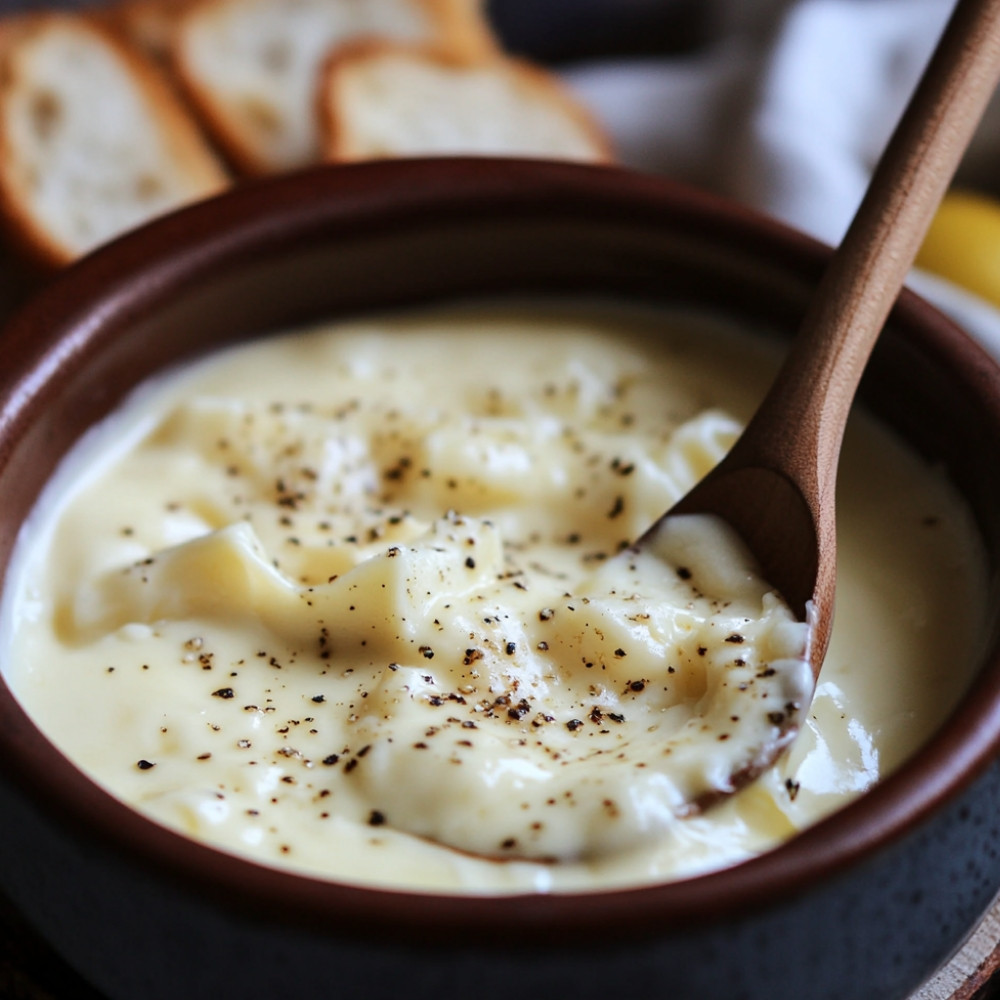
(963, 243)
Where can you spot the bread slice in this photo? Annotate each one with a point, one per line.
(380, 99)
(252, 66)
(92, 140)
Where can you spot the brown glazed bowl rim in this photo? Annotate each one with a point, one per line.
(57, 326)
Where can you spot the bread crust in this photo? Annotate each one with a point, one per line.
(149, 24)
(464, 29)
(188, 148)
(209, 111)
(338, 144)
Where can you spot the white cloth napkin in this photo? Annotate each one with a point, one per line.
(787, 110)
(789, 118)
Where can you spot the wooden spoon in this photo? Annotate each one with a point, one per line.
(776, 486)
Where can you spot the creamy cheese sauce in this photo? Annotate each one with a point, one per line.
(359, 601)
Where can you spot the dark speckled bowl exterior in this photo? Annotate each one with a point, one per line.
(864, 905)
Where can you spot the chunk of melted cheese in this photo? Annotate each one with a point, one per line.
(360, 601)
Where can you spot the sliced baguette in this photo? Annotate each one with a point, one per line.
(92, 140)
(252, 66)
(382, 99)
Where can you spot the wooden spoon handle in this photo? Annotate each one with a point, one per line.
(821, 374)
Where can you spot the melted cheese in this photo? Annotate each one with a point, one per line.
(360, 601)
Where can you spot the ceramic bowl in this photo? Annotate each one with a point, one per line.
(866, 904)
